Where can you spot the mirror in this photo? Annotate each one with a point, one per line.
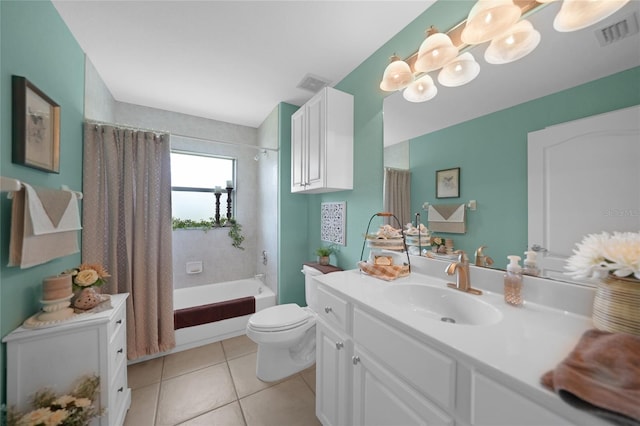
(483, 127)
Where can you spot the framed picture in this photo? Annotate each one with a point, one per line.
(334, 222)
(36, 127)
(448, 183)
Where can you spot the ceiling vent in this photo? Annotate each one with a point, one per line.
(616, 32)
(312, 83)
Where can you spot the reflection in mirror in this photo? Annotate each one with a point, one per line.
(483, 127)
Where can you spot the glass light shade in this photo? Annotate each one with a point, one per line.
(578, 14)
(435, 51)
(396, 76)
(421, 90)
(460, 71)
(516, 43)
(489, 19)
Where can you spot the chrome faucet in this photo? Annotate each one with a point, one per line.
(461, 267)
(482, 259)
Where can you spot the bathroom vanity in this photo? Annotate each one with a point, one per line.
(381, 358)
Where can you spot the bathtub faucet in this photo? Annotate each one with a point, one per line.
(260, 277)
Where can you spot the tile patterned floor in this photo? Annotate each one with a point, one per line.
(216, 384)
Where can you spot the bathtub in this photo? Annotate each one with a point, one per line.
(198, 335)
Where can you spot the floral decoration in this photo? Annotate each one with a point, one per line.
(601, 254)
(74, 409)
(88, 275)
(437, 242)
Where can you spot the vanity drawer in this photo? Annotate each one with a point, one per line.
(426, 369)
(117, 322)
(118, 395)
(117, 351)
(332, 308)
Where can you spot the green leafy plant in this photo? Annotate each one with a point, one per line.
(235, 229)
(235, 233)
(324, 251)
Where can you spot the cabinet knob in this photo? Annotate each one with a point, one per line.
(119, 321)
(355, 359)
(339, 345)
(328, 309)
(121, 350)
(120, 389)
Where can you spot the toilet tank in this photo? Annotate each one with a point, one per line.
(311, 286)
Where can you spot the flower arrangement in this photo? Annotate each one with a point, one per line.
(437, 244)
(88, 275)
(601, 254)
(74, 409)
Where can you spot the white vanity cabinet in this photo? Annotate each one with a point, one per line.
(57, 356)
(322, 143)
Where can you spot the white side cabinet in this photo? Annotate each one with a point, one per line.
(57, 356)
(322, 143)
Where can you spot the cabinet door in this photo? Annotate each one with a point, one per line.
(380, 398)
(298, 137)
(315, 116)
(333, 354)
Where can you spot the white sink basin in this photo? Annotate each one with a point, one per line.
(442, 304)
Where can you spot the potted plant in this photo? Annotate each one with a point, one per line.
(323, 254)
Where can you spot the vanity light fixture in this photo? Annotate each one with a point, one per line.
(460, 71)
(489, 19)
(497, 21)
(396, 76)
(421, 90)
(435, 51)
(578, 14)
(516, 43)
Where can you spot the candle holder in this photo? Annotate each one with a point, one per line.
(229, 190)
(217, 217)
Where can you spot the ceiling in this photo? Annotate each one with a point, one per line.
(231, 61)
(561, 61)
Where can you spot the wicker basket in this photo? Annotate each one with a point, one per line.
(616, 306)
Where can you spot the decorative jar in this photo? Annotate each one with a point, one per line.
(616, 306)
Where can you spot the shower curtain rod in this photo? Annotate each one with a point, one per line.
(101, 123)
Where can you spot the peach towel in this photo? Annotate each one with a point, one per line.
(601, 375)
(384, 272)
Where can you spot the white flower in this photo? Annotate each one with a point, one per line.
(599, 254)
(86, 277)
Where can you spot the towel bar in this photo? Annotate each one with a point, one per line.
(12, 185)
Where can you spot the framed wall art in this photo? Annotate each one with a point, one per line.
(334, 222)
(448, 183)
(35, 127)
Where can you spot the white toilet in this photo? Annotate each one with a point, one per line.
(286, 334)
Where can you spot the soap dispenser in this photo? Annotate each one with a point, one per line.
(530, 266)
(513, 282)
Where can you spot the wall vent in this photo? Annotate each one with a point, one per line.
(313, 83)
(617, 31)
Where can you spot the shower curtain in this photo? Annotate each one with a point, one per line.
(127, 227)
(397, 195)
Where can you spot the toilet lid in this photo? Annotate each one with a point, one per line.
(280, 317)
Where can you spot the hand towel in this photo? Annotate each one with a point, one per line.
(601, 375)
(52, 210)
(447, 218)
(26, 249)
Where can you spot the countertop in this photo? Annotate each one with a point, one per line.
(526, 343)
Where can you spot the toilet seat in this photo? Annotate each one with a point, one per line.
(279, 318)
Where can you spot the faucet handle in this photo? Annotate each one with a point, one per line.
(462, 256)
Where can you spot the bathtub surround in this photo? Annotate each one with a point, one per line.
(127, 227)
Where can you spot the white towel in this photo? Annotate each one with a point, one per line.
(45, 221)
(26, 249)
(447, 218)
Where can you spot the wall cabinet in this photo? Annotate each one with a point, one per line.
(369, 372)
(57, 356)
(322, 143)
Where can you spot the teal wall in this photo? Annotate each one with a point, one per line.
(293, 221)
(492, 154)
(36, 44)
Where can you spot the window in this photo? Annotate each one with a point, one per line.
(194, 177)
